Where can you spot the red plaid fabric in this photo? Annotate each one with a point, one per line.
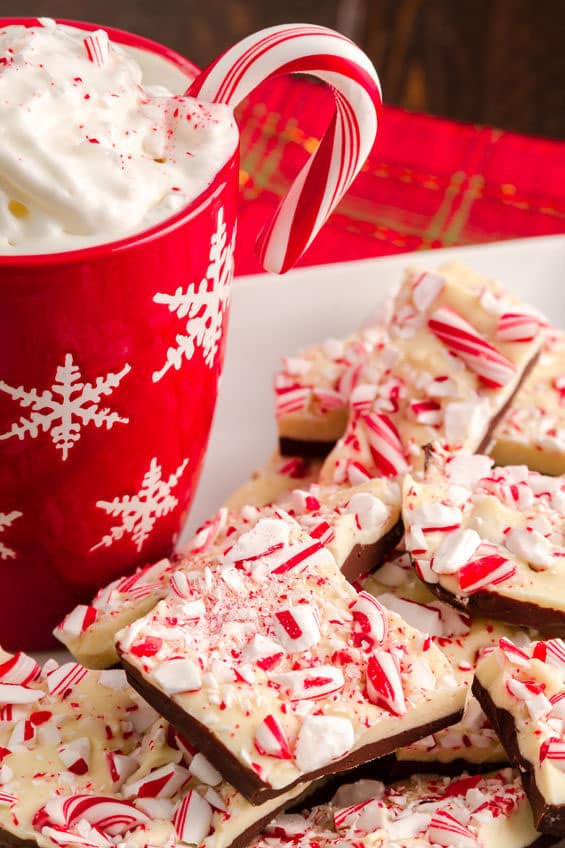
(428, 182)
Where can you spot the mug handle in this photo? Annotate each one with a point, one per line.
(346, 143)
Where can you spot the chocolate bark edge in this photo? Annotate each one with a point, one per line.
(366, 558)
(304, 448)
(495, 421)
(547, 621)
(244, 780)
(548, 818)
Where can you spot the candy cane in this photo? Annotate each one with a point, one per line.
(346, 143)
(489, 570)
(554, 751)
(462, 339)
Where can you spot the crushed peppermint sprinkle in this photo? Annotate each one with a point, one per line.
(424, 810)
(280, 639)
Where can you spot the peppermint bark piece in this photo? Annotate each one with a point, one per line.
(312, 392)
(471, 743)
(446, 373)
(274, 481)
(523, 693)
(480, 811)
(533, 430)
(279, 670)
(490, 540)
(86, 761)
(358, 525)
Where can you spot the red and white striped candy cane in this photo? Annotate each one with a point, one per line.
(301, 48)
(462, 339)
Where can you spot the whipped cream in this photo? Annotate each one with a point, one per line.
(87, 153)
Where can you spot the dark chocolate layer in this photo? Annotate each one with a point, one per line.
(548, 818)
(305, 448)
(245, 780)
(366, 558)
(548, 621)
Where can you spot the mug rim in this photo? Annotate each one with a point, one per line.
(109, 248)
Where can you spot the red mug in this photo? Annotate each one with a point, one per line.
(109, 365)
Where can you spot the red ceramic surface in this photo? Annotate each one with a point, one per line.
(109, 366)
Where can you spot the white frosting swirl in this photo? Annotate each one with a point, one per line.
(87, 154)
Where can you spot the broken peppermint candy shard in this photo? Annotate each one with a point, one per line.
(359, 524)
(480, 811)
(88, 631)
(524, 702)
(81, 766)
(301, 675)
(313, 389)
(443, 374)
(471, 743)
(504, 558)
(532, 431)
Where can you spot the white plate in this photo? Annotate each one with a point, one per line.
(271, 317)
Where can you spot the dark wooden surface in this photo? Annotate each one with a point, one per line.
(499, 62)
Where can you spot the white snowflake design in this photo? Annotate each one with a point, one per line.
(139, 512)
(66, 407)
(6, 520)
(203, 304)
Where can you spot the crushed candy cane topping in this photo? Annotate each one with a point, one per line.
(425, 810)
(442, 374)
(84, 761)
(529, 683)
(287, 654)
(472, 527)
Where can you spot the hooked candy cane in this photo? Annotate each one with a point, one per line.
(322, 182)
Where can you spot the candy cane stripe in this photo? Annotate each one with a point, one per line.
(346, 143)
